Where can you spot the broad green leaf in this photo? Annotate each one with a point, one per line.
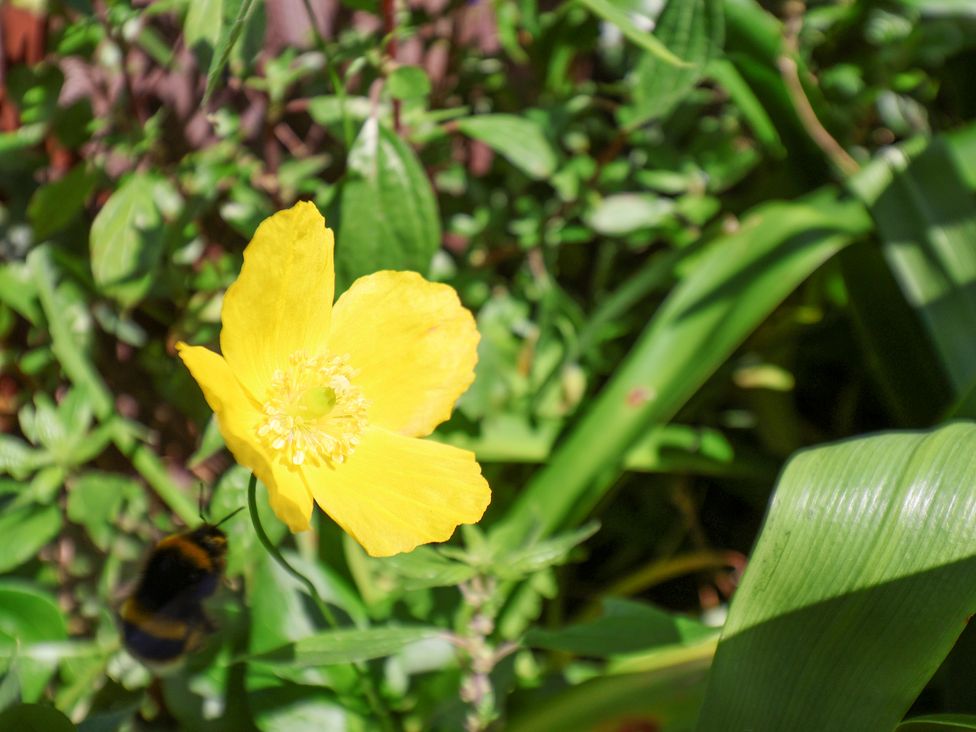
(408, 82)
(127, 237)
(692, 29)
(346, 645)
(626, 626)
(53, 206)
(388, 215)
(520, 140)
(27, 617)
(926, 216)
(612, 12)
(737, 282)
(861, 580)
(35, 718)
(938, 723)
(24, 530)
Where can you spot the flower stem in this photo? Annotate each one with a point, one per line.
(369, 688)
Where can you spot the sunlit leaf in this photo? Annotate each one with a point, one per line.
(862, 579)
(388, 212)
(519, 139)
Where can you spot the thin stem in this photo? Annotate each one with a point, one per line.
(252, 507)
(789, 70)
(378, 707)
(337, 86)
(389, 27)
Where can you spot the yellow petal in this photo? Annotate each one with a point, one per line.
(413, 344)
(282, 301)
(238, 417)
(395, 492)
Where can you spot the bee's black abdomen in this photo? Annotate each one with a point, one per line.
(149, 647)
(164, 617)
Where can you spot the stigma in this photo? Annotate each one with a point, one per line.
(313, 412)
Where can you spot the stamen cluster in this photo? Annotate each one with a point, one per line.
(314, 412)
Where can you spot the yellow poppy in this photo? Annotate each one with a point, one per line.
(328, 402)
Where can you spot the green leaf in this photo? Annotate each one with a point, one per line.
(127, 237)
(692, 29)
(626, 626)
(388, 210)
(537, 555)
(229, 35)
(19, 459)
(613, 13)
(938, 723)
(861, 580)
(95, 500)
(625, 213)
(926, 217)
(211, 443)
(425, 567)
(28, 617)
(53, 206)
(35, 718)
(201, 28)
(408, 82)
(24, 530)
(520, 140)
(346, 645)
(734, 286)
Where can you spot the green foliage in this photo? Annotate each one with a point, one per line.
(702, 240)
(845, 544)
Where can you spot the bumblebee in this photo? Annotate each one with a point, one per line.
(164, 617)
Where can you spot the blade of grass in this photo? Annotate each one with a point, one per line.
(738, 282)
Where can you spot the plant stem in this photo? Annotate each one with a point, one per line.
(337, 85)
(369, 688)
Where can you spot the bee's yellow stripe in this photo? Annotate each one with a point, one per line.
(155, 625)
(196, 553)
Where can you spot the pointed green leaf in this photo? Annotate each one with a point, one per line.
(520, 140)
(127, 237)
(388, 214)
(346, 645)
(862, 578)
(612, 12)
(692, 29)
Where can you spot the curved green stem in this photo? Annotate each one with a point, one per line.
(378, 707)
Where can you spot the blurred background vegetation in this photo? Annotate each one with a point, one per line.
(698, 236)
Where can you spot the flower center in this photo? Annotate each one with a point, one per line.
(313, 411)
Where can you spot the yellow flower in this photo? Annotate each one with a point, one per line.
(327, 402)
